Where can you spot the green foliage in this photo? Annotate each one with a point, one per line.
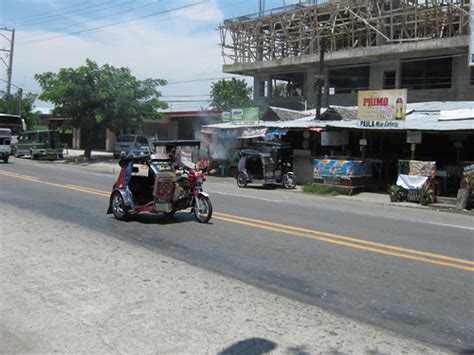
(229, 94)
(280, 90)
(394, 192)
(11, 104)
(97, 97)
(426, 194)
(469, 181)
(320, 189)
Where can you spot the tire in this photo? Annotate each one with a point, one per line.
(289, 181)
(5, 159)
(119, 209)
(241, 180)
(203, 212)
(33, 156)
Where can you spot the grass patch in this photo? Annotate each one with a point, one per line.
(320, 190)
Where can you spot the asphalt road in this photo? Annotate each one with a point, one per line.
(404, 269)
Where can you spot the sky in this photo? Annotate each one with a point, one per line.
(174, 40)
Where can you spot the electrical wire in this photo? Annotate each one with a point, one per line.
(85, 11)
(92, 20)
(40, 14)
(123, 21)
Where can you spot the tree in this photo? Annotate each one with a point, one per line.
(13, 104)
(101, 97)
(280, 89)
(229, 94)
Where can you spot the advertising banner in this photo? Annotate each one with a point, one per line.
(251, 114)
(382, 105)
(237, 114)
(247, 114)
(348, 168)
(226, 116)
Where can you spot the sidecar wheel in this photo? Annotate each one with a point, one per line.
(202, 209)
(241, 180)
(289, 181)
(119, 209)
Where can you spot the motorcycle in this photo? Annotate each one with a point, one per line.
(163, 190)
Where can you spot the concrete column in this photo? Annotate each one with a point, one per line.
(258, 87)
(309, 88)
(460, 79)
(376, 75)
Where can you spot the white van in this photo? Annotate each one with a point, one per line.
(5, 143)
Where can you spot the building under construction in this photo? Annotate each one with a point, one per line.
(421, 45)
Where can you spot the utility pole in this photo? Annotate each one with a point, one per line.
(261, 8)
(9, 65)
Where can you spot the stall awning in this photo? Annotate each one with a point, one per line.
(276, 132)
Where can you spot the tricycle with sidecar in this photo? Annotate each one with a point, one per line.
(167, 187)
(268, 163)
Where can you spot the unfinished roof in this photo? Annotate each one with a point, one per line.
(343, 25)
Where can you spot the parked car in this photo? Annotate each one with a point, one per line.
(37, 144)
(127, 142)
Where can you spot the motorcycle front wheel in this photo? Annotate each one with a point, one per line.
(202, 209)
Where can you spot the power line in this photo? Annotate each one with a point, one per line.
(197, 80)
(184, 101)
(60, 16)
(44, 13)
(83, 13)
(94, 19)
(206, 95)
(123, 21)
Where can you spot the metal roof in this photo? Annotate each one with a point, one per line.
(424, 116)
(442, 116)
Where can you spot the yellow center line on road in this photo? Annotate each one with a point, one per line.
(356, 246)
(64, 186)
(342, 237)
(29, 177)
(296, 231)
(8, 173)
(83, 188)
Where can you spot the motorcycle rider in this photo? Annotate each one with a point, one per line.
(181, 171)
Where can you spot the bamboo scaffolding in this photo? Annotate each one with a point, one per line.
(342, 24)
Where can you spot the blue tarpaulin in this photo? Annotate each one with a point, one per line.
(276, 132)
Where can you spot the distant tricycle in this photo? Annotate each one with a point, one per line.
(267, 163)
(168, 185)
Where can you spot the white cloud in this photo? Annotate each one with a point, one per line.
(206, 12)
(179, 47)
